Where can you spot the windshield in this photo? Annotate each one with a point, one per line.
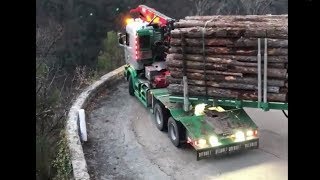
(144, 41)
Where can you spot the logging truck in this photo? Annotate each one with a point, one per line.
(212, 126)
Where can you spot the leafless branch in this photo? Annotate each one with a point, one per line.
(202, 6)
(46, 39)
(63, 85)
(256, 7)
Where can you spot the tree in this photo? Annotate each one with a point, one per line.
(54, 92)
(227, 7)
(112, 55)
(203, 6)
(47, 38)
(256, 7)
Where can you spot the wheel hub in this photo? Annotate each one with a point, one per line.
(173, 132)
(158, 119)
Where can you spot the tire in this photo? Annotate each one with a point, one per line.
(176, 132)
(161, 117)
(131, 90)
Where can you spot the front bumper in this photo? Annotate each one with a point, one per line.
(227, 149)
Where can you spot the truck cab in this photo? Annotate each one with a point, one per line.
(144, 49)
(136, 42)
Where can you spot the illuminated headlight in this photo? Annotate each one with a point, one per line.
(239, 136)
(129, 20)
(199, 109)
(249, 133)
(213, 140)
(202, 142)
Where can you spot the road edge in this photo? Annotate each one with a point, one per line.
(79, 164)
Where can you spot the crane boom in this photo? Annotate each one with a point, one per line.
(149, 14)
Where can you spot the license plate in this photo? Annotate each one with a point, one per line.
(234, 148)
(251, 144)
(227, 150)
(221, 150)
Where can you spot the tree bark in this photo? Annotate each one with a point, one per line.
(221, 61)
(228, 51)
(227, 78)
(259, 18)
(230, 42)
(271, 59)
(197, 65)
(230, 56)
(213, 72)
(231, 32)
(271, 72)
(224, 85)
(177, 89)
(267, 25)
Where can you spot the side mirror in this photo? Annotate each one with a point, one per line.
(120, 39)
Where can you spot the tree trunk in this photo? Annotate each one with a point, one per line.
(213, 72)
(271, 72)
(230, 46)
(228, 51)
(267, 25)
(271, 59)
(227, 78)
(177, 89)
(198, 65)
(230, 32)
(230, 42)
(259, 18)
(225, 61)
(225, 85)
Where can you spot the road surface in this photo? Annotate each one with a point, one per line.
(124, 143)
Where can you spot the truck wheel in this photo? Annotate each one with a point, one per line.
(161, 117)
(176, 132)
(131, 90)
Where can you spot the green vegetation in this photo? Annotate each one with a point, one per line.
(112, 55)
(62, 162)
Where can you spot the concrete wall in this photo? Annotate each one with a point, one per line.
(78, 161)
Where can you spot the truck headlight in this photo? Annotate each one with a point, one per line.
(240, 136)
(213, 140)
(249, 133)
(202, 142)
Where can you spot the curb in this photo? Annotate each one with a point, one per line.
(79, 164)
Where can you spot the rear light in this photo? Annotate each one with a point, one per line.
(189, 140)
(255, 132)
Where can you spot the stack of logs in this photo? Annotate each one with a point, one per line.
(229, 62)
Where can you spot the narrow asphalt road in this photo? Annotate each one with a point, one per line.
(123, 143)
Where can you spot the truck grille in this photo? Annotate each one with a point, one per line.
(145, 54)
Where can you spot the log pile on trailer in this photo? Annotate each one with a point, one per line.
(219, 56)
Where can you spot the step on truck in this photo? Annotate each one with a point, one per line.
(213, 127)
